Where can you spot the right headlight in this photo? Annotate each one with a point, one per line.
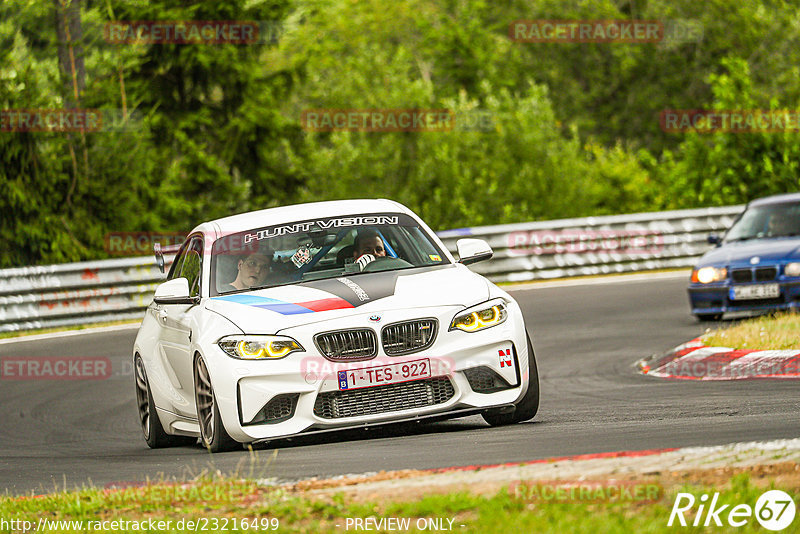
(259, 347)
(479, 317)
(706, 275)
(792, 269)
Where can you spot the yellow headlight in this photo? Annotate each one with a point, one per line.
(250, 349)
(279, 349)
(257, 350)
(259, 347)
(480, 319)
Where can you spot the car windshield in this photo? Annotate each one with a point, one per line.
(318, 249)
(768, 221)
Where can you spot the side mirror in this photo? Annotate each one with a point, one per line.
(473, 250)
(175, 291)
(159, 256)
(713, 239)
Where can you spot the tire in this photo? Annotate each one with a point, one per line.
(213, 435)
(154, 434)
(705, 317)
(527, 407)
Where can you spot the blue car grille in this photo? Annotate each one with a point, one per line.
(765, 274)
(758, 274)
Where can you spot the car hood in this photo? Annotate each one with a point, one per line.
(769, 251)
(273, 309)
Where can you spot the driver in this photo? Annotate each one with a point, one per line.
(367, 246)
(781, 224)
(253, 271)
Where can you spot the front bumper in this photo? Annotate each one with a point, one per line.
(717, 298)
(262, 400)
(459, 412)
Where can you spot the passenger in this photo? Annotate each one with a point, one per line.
(253, 271)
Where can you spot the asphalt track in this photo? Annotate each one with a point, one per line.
(586, 337)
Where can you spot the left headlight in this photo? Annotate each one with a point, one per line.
(706, 275)
(259, 347)
(482, 316)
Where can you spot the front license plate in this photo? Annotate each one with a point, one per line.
(385, 374)
(760, 291)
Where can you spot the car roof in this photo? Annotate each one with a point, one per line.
(300, 212)
(775, 199)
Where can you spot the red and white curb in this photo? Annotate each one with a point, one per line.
(614, 465)
(696, 361)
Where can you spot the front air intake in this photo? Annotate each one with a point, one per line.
(280, 408)
(383, 399)
(485, 380)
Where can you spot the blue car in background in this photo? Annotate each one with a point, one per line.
(755, 267)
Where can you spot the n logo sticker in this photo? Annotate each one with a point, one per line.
(505, 358)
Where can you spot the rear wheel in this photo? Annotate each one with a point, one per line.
(527, 407)
(154, 433)
(212, 432)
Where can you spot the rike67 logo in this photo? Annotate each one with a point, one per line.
(774, 510)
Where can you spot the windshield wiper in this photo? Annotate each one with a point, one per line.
(267, 286)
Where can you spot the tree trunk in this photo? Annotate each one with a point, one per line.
(73, 74)
(70, 51)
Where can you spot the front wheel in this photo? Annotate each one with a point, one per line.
(212, 432)
(705, 317)
(154, 434)
(527, 407)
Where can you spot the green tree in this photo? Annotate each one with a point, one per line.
(731, 168)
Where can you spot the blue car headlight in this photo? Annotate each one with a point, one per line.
(706, 275)
(792, 269)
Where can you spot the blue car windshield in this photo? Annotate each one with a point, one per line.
(765, 222)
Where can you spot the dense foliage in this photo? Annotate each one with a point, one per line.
(216, 129)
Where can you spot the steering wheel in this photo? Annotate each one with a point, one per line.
(385, 263)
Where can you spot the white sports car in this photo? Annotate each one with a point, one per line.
(326, 316)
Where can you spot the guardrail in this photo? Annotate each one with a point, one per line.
(596, 245)
(119, 289)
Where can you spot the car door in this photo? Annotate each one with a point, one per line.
(176, 329)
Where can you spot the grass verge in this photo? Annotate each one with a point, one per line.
(222, 506)
(768, 332)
